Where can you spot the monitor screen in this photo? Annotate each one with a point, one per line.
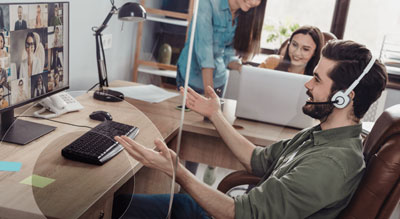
(34, 62)
(34, 44)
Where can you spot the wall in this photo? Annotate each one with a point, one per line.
(84, 14)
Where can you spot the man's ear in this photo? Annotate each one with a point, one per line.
(352, 94)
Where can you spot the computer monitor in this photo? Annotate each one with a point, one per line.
(34, 62)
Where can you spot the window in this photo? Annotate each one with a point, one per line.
(282, 14)
(368, 23)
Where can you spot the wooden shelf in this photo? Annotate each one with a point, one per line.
(163, 16)
(168, 20)
(168, 13)
(158, 65)
(154, 71)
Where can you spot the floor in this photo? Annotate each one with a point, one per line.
(221, 173)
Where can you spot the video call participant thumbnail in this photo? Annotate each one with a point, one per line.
(20, 24)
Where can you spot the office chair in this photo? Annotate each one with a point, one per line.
(379, 190)
(328, 36)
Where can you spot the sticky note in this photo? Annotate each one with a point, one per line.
(37, 181)
(10, 166)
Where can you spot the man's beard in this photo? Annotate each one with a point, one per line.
(318, 111)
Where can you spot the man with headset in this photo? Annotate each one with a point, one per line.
(312, 175)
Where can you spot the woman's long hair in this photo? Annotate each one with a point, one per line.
(1, 19)
(317, 37)
(248, 31)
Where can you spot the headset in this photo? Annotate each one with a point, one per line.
(341, 98)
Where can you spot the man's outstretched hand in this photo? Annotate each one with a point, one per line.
(161, 160)
(200, 104)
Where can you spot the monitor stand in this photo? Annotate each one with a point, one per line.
(19, 131)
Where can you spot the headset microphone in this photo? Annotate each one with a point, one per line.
(327, 102)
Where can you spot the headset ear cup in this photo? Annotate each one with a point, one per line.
(341, 99)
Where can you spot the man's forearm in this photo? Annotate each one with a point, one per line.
(239, 145)
(213, 201)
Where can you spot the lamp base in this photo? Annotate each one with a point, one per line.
(108, 95)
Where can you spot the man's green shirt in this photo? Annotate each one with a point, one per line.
(312, 175)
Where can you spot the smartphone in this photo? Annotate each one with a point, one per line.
(180, 107)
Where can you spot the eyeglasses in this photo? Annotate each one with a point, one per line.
(27, 45)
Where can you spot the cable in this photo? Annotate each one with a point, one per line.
(66, 123)
(191, 40)
(92, 87)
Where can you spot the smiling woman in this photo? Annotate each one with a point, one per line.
(302, 53)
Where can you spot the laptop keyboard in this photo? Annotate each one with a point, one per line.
(97, 146)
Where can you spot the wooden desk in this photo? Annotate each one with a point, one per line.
(200, 141)
(80, 190)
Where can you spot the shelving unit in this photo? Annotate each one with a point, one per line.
(390, 55)
(163, 16)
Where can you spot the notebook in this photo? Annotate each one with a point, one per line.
(273, 96)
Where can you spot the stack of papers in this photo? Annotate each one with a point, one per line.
(367, 127)
(149, 93)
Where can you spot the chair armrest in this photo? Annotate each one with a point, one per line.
(237, 178)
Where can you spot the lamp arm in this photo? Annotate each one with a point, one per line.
(101, 60)
(103, 26)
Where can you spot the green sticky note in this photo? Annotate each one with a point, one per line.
(37, 181)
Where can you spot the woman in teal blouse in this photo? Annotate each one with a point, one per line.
(224, 29)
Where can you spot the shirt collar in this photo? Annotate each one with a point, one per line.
(224, 4)
(321, 137)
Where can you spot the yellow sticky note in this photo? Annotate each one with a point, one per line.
(37, 181)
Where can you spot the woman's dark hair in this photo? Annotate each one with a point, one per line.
(30, 34)
(283, 47)
(318, 39)
(351, 59)
(1, 19)
(4, 42)
(248, 31)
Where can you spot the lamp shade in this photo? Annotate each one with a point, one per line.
(132, 11)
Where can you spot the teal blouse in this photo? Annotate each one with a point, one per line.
(213, 43)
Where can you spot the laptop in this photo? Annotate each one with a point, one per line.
(273, 96)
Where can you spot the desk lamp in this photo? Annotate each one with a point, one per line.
(130, 11)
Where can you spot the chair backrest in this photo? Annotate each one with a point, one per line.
(328, 36)
(379, 190)
(376, 109)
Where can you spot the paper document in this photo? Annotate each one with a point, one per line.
(367, 127)
(37, 181)
(149, 93)
(10, 166)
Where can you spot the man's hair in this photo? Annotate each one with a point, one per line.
(352, 58)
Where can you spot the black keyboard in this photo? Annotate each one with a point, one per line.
(97, 146)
